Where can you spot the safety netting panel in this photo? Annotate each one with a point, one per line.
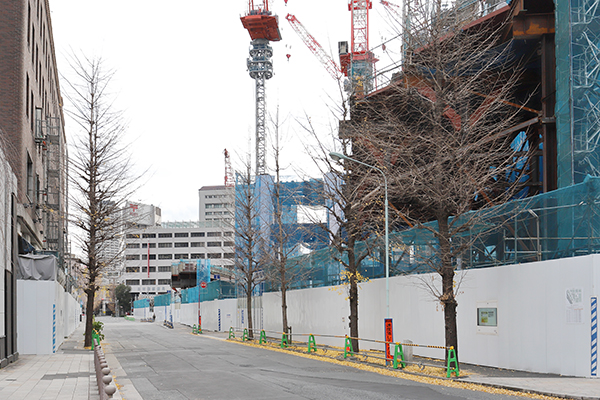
(578, 89)
(162, 300)
(558, 224)
(141, 303)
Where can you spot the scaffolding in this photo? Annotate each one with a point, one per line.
(578, 89)
(559, 224)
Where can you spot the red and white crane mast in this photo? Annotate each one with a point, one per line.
(358, 63)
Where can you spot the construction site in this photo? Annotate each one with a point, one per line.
(485, 132)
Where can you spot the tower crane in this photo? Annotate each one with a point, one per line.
(314, 47)
(263, 28)
(358, 62)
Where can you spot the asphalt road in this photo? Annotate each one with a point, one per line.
(172, 364)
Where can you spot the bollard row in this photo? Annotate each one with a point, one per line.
(106, 389)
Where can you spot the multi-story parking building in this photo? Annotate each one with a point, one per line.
(150, 252)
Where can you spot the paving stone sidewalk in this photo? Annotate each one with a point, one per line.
(67, 374)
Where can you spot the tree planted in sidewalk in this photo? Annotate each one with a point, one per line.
(100, 172)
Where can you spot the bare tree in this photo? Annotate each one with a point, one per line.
(100, 172)
(446, 133)
(349, 201)
(289, 235)
(251, 238)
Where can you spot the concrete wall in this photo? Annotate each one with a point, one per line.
(45, 315)
(538, 329)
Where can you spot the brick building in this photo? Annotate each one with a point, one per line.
(31, 124)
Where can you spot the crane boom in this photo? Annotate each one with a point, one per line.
(394, 9)
(315, 47)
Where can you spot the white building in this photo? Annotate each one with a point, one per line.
(151, 251)
(216, 203)
(112, 252)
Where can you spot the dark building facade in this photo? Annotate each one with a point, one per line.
(32, 129)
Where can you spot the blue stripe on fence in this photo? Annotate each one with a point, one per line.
(594, 358)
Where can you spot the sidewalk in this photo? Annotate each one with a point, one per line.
(529, 382)
(67, 374)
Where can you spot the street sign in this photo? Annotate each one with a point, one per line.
(203, 285)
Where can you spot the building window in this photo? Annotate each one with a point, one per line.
(197, 234)
(164, 245)
(214, 255)
(165, 235)
(195, 256)
(28, 24)
(228, 244)
(149, 235)
(213, 234)
(145, 245)
(213, 244)
(164, 268)
(132, 257)
(132, 236)
(181, 256)
(181, 234)
(165, 256)
(132, 282)
(164, 281)
(29, 178)
(27, 95)
(228, 255)
(132, 269)
(197, 244)
(227, 233)
(133, 245)
(182, 244)
(145, 269)
(148, 281)
(145, 256)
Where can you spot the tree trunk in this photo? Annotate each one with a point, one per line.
(249, 312)
(447, 273)
(89, 316)
(284, 308)
(353, 296)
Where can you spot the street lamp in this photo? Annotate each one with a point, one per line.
(337, 157)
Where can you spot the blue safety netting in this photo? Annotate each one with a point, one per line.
(142, 303)
(214, 290)
(162, 300)
(577, 89)
(558, 224)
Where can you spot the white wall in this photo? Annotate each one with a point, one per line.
(141, 313)
(533, 333)
(210, 311)
(45, 312)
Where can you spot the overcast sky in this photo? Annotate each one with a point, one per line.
(182, 81)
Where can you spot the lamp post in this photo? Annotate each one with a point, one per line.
(337, 157)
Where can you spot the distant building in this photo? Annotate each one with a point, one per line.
(216, 203)
(150, 252)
